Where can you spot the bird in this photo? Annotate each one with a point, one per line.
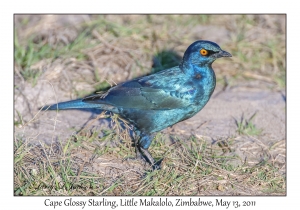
(154, 102)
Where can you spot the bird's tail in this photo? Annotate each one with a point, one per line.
(75, 104)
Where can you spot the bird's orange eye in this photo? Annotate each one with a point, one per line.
(203, 52)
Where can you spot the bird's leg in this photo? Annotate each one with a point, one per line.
(137, 150)
(143, 145)
(148, 156)
(136, 139)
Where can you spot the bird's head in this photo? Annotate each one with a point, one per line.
(203, 53)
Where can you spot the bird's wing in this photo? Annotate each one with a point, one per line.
(149, 92)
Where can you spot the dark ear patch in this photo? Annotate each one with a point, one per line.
(197, 76)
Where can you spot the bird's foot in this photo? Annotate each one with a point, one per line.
(158, 164)
(149, 158)
(156, 167)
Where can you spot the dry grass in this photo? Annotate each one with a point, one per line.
(83, 54)
(89, 165)
(121, 47)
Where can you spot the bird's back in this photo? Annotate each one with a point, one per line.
(157, 101)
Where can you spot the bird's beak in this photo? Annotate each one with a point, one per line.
(223, 53)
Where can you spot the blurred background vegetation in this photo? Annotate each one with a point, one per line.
(121, 47)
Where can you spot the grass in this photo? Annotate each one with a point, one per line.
(247, 126)
(190, 167)
(255, 51)
(92, 55)
(94, 162)
(35, 49)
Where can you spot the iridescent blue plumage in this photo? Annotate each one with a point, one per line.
(152, 103)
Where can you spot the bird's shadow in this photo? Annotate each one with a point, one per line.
(165, 59)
